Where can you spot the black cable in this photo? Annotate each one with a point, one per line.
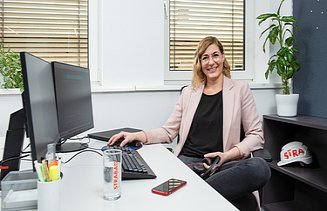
(94, 148)
(27, 152)
(26, 148)
(80, 153)
(78, 138)
(12, 158)
(63, 141)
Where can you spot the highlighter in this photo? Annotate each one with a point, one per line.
(53, 173)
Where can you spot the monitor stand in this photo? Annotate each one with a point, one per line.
(70, 147)
(14, 141)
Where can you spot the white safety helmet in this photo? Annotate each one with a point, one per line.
(294, 152)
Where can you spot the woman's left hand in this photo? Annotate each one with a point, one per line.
(232, 154)
(213, 155)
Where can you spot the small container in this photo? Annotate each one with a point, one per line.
(19, 190)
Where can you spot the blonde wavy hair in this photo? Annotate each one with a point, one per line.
(198, 75)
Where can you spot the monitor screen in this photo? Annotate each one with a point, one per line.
(74, 103)
(39, 104)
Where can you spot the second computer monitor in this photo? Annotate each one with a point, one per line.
(39, 104)
(74, 103)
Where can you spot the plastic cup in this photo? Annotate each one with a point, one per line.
(112, 174)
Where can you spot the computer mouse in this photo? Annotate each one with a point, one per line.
(104, 148)
(135, 145)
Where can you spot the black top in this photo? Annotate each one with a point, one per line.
(206, 133)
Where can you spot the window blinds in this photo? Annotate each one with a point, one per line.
(192, 20)
(55, 30)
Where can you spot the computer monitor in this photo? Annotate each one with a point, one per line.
(14, 142)
(74, 103)
(39, 104)
(38, 117)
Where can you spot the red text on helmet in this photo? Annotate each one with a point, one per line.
(293, 153)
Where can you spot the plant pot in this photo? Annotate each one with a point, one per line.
(287, 104)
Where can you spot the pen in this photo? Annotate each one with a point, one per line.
(46, 170)
(38, 171)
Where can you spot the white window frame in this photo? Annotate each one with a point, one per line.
(95, 38)
(182, 77)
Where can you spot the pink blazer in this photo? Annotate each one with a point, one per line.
(238, 106)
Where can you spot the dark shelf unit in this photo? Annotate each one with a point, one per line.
(296, 188)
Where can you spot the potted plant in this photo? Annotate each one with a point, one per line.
(284, 61)
(10, 69)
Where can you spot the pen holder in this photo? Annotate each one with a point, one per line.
(48, 195)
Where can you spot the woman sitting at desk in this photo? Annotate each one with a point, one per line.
(208, 117)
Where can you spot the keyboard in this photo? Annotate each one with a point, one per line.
(133, 165)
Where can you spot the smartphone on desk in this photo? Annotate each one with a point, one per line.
(168, 187)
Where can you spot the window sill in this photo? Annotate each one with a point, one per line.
(99, 89)
(160, 88)
(10, 92)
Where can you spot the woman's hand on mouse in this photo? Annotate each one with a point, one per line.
(126, 137)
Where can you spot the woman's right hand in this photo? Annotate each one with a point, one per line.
(126, 137)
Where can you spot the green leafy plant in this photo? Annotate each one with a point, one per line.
(10, 69)
(279, 32)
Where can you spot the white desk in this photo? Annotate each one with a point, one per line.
(83, 177)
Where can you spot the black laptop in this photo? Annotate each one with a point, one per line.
(106, 135)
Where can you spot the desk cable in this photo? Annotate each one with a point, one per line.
(10, 159)
(87, 150)
(77, 139)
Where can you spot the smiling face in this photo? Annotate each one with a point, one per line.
(212, 63)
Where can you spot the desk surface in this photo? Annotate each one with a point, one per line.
(83, 181)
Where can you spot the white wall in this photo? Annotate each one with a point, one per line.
(143, 110)
(8, 104)
(133, 43)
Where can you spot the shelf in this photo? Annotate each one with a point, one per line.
(306, 121)
(290, 187)
(314, 177)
